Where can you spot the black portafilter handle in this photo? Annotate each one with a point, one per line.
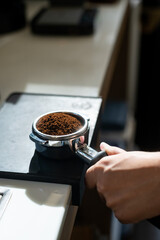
(99, 156)
(89, 155)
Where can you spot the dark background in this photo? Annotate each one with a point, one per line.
(148, 99)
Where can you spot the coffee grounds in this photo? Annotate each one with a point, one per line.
(58, 124)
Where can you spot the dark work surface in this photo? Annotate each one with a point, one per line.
(18, 158)
(64, 21)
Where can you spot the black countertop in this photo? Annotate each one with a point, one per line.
(18, 157)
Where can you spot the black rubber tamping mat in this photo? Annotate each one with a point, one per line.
(18, 157)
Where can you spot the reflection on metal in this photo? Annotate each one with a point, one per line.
(5, 195)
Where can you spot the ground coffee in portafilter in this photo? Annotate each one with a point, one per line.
(58, 124)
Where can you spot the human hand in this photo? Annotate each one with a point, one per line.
(129, 182)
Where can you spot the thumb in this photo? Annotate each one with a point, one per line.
(110, 150)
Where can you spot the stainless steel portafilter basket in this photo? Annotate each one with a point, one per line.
(65, 146)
